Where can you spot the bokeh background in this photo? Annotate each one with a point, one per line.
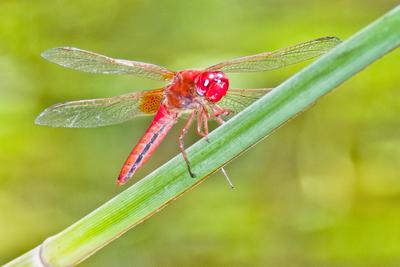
(324, 190)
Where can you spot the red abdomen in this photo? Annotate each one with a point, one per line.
(160, 126)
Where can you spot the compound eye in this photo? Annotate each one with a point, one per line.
(212, 85)
(203, 82)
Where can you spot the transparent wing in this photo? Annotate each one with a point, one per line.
(101, 111)
(238, 99)
(279, 58)
(77, 59)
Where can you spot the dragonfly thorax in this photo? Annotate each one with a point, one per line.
(212, 85)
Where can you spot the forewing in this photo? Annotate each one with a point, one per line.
(238, 99)
(101, 111)
(77, 59)
(279, 58)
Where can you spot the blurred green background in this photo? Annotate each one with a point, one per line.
(324, 190)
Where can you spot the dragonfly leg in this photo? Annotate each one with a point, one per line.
(200, 118)
(206, 116)
(218, 112)
(205, 124)
(202, 123)
(217, 116)
(181, 145)
(219, 120)
(199, 123)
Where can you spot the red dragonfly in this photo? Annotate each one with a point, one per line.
(201, 94)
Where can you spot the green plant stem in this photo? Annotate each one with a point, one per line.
(158, 189)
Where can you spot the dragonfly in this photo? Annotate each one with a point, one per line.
(190, 94)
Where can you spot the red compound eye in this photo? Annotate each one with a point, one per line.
(212, 85)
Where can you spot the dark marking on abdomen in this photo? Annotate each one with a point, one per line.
(144, 151)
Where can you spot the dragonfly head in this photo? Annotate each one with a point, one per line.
(213, 85)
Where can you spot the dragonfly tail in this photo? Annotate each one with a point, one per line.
(155, 134)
